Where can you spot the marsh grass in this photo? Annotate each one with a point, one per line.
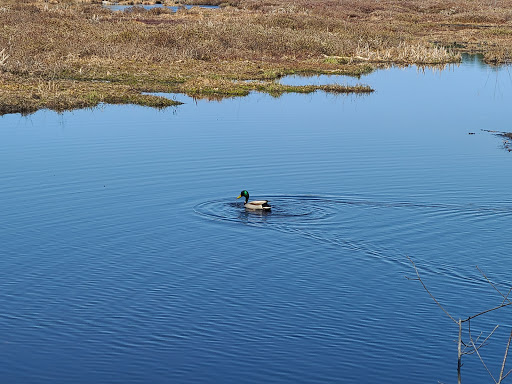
(406, 53)
(220, 89)
(71, 53)
(30, 95)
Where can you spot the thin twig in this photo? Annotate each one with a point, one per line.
(506, 296)
(485, 366)
(430, 294)
(479, 336)
(482, 344)
(492, 285)
(471, 347)
(478, 354)
(490, 334)
(486, 311)
(506, 375)
(505, 358)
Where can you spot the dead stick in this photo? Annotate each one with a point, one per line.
(505, 358)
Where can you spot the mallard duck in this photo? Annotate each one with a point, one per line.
(256, 204)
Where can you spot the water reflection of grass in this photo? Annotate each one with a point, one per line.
(63, 54)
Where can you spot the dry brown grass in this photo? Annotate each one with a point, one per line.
(78, 48)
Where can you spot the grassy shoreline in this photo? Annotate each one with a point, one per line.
(65, 54)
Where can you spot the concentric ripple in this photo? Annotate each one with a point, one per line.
(308, 209)
(289, 209)
(338, 221)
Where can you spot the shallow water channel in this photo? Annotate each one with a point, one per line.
(127, 259)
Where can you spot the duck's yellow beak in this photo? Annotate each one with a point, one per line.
(239, 196)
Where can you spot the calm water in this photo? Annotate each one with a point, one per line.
(127, 259)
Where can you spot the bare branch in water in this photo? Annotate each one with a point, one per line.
(473, 346)
(430, 294)
(505, 359)
(478, 353)
(505, 298)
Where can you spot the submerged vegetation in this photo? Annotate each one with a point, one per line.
(64, 54)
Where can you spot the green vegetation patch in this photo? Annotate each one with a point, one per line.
(60, 95)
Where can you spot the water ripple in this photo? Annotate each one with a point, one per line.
(339, 220)
(289, 209)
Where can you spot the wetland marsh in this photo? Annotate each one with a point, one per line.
(66, 54)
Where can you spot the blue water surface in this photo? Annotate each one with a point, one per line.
(126, 258)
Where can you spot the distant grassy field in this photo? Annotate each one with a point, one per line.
(64, 54)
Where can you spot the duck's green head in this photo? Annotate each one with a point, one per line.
(245, 194)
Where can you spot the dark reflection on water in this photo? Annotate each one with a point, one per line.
(127, 258)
